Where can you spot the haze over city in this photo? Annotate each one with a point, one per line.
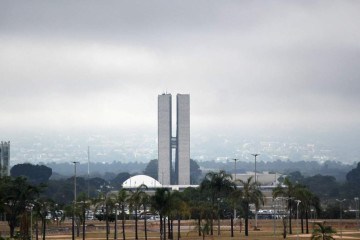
(276, 77)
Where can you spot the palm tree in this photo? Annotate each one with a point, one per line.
(322, 232)
(289, 192)
(178, 209)
(217, 185)
(145, 200)
(308, 199)
(80, 211)
(250, 194)
(122, 198)
(136, 202)
(43, 207)
(104, 202)
(160, 203)
(198, 205)
(233, 201)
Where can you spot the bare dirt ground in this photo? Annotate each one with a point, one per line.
(268, 229)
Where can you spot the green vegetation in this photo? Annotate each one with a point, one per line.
(210, 205)
(322, 232)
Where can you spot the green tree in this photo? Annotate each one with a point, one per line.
(152, 169)
(289, 193)
(35, 174)
(15, 195)
(122, 198)
(250, 194)
(354, 175)
(43, 208)
(217, 185)
(178, 208)
(308, 200)
(198, 204)
(136, 200)
(233, 201)
(322, 232)
(119, 179)
(160, 204)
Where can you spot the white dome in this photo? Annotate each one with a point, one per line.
(137, 180)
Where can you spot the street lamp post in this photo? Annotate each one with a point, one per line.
(30, 207)
(297, 217)
(255, 155)
(274, 209)
(235, 159)
(116, 211)
(74, 205)
(357, 211)
(341, 206)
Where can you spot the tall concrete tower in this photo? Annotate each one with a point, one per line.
(4, 159)
(164, 139)
(182, 168)
(166, 142)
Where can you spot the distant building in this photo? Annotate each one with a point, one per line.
(4, 159)
(263, 178)
(136, 181)
(166, 142)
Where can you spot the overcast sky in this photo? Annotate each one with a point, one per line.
(275, 65)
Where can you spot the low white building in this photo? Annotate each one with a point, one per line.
(151, 183)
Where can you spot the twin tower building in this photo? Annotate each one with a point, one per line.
(174, 147)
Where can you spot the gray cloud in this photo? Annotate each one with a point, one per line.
(250, 64)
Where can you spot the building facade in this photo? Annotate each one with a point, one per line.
(4, 159)
(180, 143)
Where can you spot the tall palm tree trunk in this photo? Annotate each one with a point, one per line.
(169, 224)
(290, 216)
(123, 221)
(178, 235)
(37, 228)
(307, 221)
(199, 226)
(145, 225)
(161, 227)
(232, 225)
(44, 228)
(302, 222)
(247, 220)
(136, 224)
(164, 226)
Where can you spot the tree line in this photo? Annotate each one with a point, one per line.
(217, 197)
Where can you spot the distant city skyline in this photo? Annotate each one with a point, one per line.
(255, 70)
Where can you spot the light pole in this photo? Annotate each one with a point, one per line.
(297, 217)
(357, 211)
(341, 202)
(255, 155)
(275, 204)
(30, 207)
(235, 159)
(116, 211)
(74, 205)
(274, 209)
